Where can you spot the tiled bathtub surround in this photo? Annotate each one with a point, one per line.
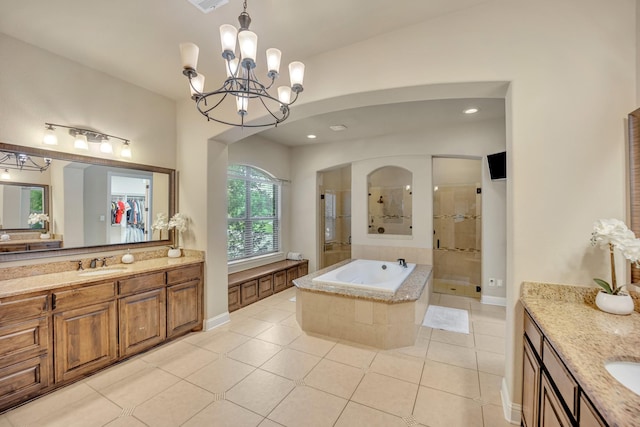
(585, 338)
(361, 315)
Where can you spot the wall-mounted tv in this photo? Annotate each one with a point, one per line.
(497, 165)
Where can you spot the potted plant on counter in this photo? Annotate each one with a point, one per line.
(613, 234)
(36, 218)
(179, 222)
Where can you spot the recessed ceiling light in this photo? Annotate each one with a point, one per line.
(470, 111)
(338, 128)
(311, 136)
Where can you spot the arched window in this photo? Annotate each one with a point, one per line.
(253, 220)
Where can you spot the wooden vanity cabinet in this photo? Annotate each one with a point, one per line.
(48, 339)
(25, 356)
(85, 329)
(551, 397)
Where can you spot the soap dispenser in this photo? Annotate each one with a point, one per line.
(127, 258)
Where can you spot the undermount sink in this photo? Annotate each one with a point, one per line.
(627, 373)
(101, 271)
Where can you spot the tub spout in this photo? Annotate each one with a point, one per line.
(402, 262)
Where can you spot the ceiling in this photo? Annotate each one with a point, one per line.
(137, 41)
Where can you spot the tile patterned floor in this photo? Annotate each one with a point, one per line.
(262, 370)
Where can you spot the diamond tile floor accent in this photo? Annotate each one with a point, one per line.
(261, 370)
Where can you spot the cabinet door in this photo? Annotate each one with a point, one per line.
(184, 307)
(303, 269)
(279, 280)
(142, 321)
(265, 286)
(588, 415)
(530, 386)
(85, 339)
(248, 292)
(292, 274)
(22, 380)
(234, 298)
(552, 414)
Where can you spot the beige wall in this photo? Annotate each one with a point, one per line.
(37, 86)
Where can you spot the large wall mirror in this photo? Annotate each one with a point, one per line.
(634, 181)
(92, 204)
(390, 201)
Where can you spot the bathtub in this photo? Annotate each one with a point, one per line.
(381, 276)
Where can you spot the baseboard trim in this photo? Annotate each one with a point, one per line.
(512, 411)
(502, 301)
(214, 322)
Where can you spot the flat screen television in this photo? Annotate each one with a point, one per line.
(497, 165)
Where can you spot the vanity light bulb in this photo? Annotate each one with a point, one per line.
(50, 137)
(126, 151)
(106, 147)
(81, 142)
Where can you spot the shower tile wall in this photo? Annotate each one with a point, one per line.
(457, 239)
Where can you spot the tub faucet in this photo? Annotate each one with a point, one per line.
(402, 262)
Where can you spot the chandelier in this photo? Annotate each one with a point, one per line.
(242, 85)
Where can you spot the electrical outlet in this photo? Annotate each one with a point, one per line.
(492, 282)
(499, 283)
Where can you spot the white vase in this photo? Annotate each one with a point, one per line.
(45, 236)
(174, 253)
(614, 304)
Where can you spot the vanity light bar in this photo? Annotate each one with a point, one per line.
(83, 136)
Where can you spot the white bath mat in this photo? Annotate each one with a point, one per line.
(449, 319)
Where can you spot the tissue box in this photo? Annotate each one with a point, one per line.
(295, 256)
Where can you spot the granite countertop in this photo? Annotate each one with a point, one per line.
(45, 282)
(21, 241)
(585, 338)
(410, 290)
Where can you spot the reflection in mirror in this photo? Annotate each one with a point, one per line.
(91, 203)
(390, 201)
(17, 201)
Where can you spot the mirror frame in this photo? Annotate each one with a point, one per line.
(634, 181)
(58, 155)
(45, 202)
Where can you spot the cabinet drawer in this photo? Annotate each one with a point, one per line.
(279, 281)
(533, 333)
(22, 380)
(141, 283)
(18, 308)
(562, 379)
(13, 247)
(183, 274)
(83, 296)
(21, 340)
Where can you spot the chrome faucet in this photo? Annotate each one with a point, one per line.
(104, 260)
(402, 262)
(93, 262)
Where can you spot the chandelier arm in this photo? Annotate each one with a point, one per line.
(282, 110)
(204, 98)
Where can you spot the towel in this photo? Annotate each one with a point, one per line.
(295, 256)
